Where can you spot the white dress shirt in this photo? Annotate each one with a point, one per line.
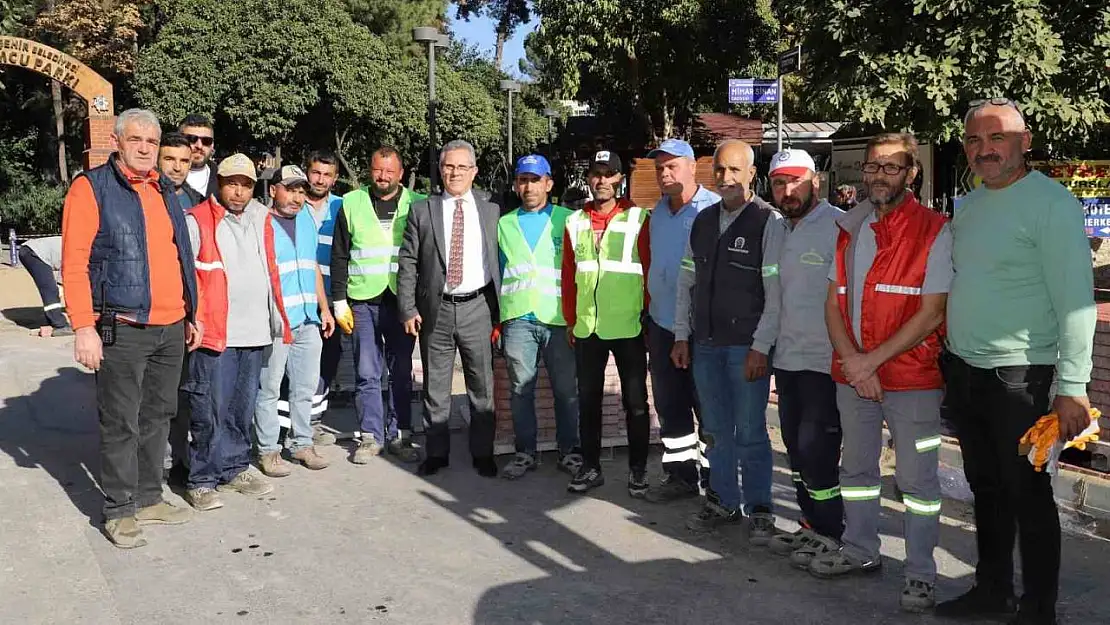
(475, 272)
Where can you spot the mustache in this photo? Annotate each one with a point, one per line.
(987, 158)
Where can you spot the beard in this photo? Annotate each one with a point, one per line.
(312, 193)
(882, 192)
(803, 205)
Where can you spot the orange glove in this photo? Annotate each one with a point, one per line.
(495, 336)
(1041, 443)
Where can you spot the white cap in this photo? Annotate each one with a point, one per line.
(792, 163)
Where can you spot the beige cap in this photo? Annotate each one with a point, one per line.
(237, 165)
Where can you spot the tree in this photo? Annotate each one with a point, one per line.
(394, 21)
(919, 65)
(653, 64)
(506, 15)
(103, 34)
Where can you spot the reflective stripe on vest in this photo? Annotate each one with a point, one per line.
(531, 281)
(609, 276)
(296, 265)
(373, 265)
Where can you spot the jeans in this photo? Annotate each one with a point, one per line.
(223, 392)
(525, 341)
(301, 361)
(136, 396)
(992, 409)
(675, 403)
(43, 275)
(380, 339)
(592, 357)
(735, 413)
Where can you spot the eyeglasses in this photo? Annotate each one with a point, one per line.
(890, 169)
(462, 169)
(975, 105)
(205, 141)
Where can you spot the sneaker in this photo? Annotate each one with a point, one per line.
(637, 483)
(815, 546)
(784, 544)
(322, 437)
(404, 449)
(585, 479)
(203, 499)
(917, 596)
(310, 458)
(124, 533)
(671, 488)
(518, 466)
(712, 516)
(838, 564)
(978, 604)
(247, 483)
(570, 462)
(761, 528)
(273, 465)
(367, 450)
(163, 513)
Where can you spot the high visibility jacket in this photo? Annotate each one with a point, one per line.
(325, 230)
(530, 281)
(296, 263)
(212, 278)
(891, 292)
(609, 277)
(373, 264)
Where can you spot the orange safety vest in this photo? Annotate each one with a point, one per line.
(891, 295)
(212, 278)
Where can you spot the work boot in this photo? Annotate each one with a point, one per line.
(761, 527)
(163, 513)
(322, 437)
(310, 458)
(917, 596)
(978, 604)
(404, 449)
(712, 516)
(367, 450)
(124, 532)
(203, 499)
(247, 483)
(669, 489)
(272, 464)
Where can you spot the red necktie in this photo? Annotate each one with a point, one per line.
(455, 263)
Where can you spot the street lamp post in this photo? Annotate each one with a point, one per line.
(511, 87)
(550, 113)
(433, 39)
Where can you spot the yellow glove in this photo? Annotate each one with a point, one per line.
(344, 318)
(1041, 443)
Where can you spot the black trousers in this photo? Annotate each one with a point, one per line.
(136, 396)
(810, 424)
(47, 286)
(591, 356)
(991, 409)
(676, 403)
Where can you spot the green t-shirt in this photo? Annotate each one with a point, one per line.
(1023, 290)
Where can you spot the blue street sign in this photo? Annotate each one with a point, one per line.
(1097, 221)
(752, 91)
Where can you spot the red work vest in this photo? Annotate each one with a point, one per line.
(891, 295)
(212, 279)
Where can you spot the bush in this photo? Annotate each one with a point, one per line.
(32, 206)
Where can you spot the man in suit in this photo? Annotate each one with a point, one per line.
(447, 285)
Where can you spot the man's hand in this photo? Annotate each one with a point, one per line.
(570, 337)
(327, 322)
(756, 365)
(495, 336)
(412, 326)
(857, 367)
(1074, 413)
(870, 388)
(87, 348)
(194, 333)
(680, 354)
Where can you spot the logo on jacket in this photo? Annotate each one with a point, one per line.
(739, 244)
(812, 258)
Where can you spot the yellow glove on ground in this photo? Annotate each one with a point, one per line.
(344, 318)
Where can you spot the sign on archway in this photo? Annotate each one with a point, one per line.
(90, 86)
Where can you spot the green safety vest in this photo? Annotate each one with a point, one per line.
(373, 264)
(609, 276)
(530, 281)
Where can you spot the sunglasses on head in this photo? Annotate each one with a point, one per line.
(205, 141)
(975, 105)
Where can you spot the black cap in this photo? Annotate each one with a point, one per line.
(607, 158)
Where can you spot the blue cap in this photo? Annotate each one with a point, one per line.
(533, 164)
(674, 147)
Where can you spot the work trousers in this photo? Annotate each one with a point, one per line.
(676, 404)
(592, 356)
(47, 285)
(380, 340)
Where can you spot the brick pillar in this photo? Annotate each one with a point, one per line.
(613, 430)
(98, 130)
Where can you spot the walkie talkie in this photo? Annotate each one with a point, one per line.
(106, 323)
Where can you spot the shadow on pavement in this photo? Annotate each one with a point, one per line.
(29, 317)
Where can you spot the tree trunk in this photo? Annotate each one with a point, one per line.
(60, 129)
(340, 140)
(499, 47)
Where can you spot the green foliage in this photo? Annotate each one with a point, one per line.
(916, 65)
(33, 206)
(393, 21)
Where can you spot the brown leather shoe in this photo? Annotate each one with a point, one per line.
(163, 513)
(273, 465)
(310, 458)
(124, 533)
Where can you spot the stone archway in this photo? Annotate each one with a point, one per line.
(90, 86)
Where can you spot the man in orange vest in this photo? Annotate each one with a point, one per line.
(886, 302)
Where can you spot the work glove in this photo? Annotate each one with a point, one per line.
(495, 338)
(1042, 446)
(344, 317)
